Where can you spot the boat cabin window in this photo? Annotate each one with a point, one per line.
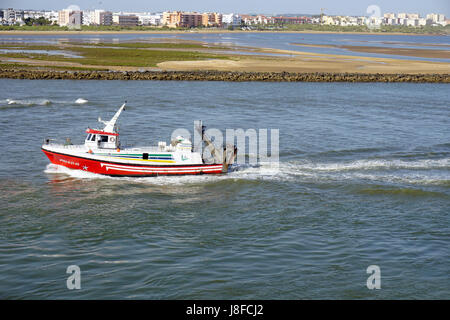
(88, 137)
(104, 138)
(93, 137)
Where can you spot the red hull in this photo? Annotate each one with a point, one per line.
(120, 169)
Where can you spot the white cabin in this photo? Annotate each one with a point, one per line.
(108, 138)
(101, 140)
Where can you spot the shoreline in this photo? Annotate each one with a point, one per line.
(22, 32)
(406, 52)
(222, 76)
(209, 58)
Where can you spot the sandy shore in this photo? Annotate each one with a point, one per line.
(311, 62)
(299, 62)
(257, 60)
(409, 52)
(295, 62)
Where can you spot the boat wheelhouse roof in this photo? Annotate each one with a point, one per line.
(95, 131)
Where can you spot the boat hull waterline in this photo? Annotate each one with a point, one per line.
(129, 170)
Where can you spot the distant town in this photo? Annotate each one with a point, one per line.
(74, 17)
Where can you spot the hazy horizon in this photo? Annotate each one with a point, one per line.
(252, 6)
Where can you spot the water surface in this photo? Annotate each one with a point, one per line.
(364, 180)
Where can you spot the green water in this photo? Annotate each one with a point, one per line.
(363, 180)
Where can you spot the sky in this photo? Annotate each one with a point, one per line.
(332, 7)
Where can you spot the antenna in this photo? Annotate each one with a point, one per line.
(321, 15)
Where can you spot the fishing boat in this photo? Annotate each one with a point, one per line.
(102, 153)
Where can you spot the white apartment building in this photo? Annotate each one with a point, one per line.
(88, 17)
(149, 19)
(13, 16)
(231, 19)
(411, 22)
(421, 22)
(408, 16)
(349, 21)
(33, 14)
(52, 16)
(436, 18)
(389, 16)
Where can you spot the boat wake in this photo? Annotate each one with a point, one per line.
(81, 101)
(35, 102)
(369, 164)
(418, 172)
(27, 102)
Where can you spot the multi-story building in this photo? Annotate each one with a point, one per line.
(149, 19)
(408, 16)
(348, 21)
(213, 19)
(191, 20)
(246, 19)
(52, 16)
(261, 19)
(19, 15)
(421, 22)
(68, 17)
(329, 20)
(33, 14)
(125, 20)
(181, 19)
(98, 17)
(390, 21)
(436, 18)
(88, 17)
(231, 19)
(389, 16)
(103, 18)
(290, 20)
(9, 14)
(169, 19)
(411, 22)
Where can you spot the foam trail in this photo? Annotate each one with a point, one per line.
(373, 165)
(32, 102)
(238, 172)
(81, 101)
(53, 168)
(417, 172)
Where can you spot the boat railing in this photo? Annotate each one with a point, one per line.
(124, 147)
(67, 144)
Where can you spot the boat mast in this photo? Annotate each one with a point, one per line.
(111, 123)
